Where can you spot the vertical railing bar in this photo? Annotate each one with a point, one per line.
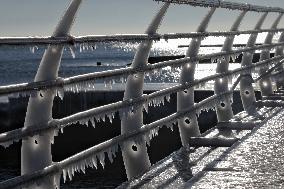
(265, 84)
(135, 155)
(36, 150)
(224, 109)
(246, 89)
(279, 52)
(185, 99)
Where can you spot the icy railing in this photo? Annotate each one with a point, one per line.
(125, 107)
(226, 5)
(74, 83)
(97, 154)
(88, 41)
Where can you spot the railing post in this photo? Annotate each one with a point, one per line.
(246, 88)
(135, 156)
(188, 127)
(224, 109)
(279, 52)
(36, 150)
(265, 83)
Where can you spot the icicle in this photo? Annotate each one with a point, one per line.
(69, 172)
(83, 122)
(60, 93)
(92, 122)
(94, 162)
(101, 157)
(168, 98)
(64, 175)
(233, 58)
(97, 118)
(154, 132)
(6, 144)
(56, 179)
(122, 79)
(108, 84)
(170, 126)
(32, 50)
(82, 167)
(72, 52)
(103, 118)
(109, 117)
(109, 154)
(145, 107)
(162, 101)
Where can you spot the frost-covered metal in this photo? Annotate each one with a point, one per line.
(265, 84)
(91, 40)
(246, 88)
(124, 107)
(224, 109)
(189, 127)
(279, 51)
(38, 170)
(136, 159)
(36, 150)
(226, 4)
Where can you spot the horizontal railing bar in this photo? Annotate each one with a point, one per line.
(278, 74)
(218, 33)
(71, 40)
(226, 5)
(235, 84)
(219, 45)
(124, 71)
(237, 125)
(181, 87)
(211, 142)
(270, 103)
(273, 97)
(268, 72)
(59, 166)
(110, 108)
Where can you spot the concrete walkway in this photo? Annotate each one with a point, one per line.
(256, 161)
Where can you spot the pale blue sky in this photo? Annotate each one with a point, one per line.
(39, 17)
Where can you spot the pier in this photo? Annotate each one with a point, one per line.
(241, 150)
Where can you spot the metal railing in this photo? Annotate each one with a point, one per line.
(47, 84)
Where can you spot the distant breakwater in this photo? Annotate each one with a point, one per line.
(155, 59)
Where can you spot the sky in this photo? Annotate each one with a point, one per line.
(99, 17)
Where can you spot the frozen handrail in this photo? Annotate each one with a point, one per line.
(89, 39)
(269, 71)
(124, 71)
(83, 156)
(18, 134)
(226, 5)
